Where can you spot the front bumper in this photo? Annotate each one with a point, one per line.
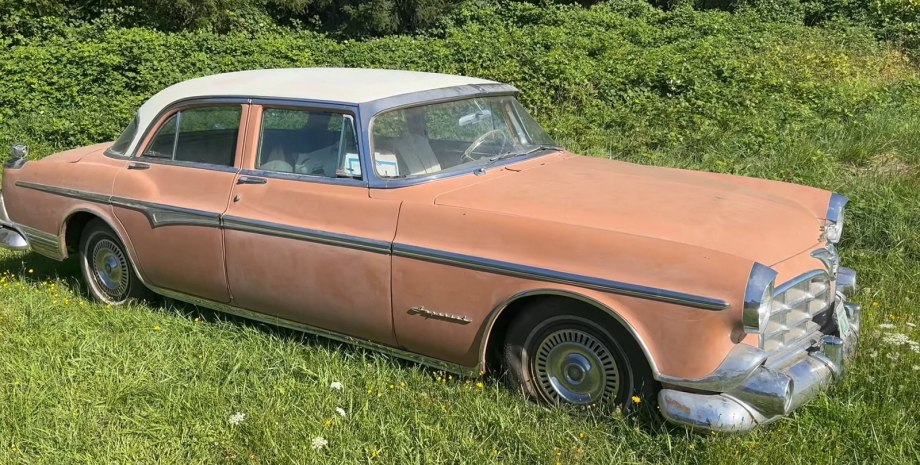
(10, 236)
(776, 387)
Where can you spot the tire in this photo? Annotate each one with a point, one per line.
(559, 351)
(106, 267)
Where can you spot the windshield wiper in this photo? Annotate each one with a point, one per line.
(513, 154)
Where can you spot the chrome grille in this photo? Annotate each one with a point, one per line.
(795, 303)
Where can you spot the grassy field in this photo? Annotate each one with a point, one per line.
(161, 383)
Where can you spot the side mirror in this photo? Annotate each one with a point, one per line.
(471, 118)
(20, 151)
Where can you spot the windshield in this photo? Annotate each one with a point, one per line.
(455, 135)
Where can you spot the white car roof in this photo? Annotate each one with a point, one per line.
(350, 86)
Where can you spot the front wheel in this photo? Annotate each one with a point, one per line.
(560, 351)
(106, 267)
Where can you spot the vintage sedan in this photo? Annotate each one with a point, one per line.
(429, 216)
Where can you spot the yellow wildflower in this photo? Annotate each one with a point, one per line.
(581, 435)
(156, 328)
(636, 399)
(402, 384)
(479, 385)
(31, 270)
(392, 386)
(328, 422)
(875, 304)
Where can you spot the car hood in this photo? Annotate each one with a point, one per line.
(689, 207)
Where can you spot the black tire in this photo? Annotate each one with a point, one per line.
(561, 351)
(106, 267)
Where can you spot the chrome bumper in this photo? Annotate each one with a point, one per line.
(773, 389)
(10, 236)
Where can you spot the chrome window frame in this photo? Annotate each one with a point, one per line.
(305, 105)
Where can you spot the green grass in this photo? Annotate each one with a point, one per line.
(84, 383)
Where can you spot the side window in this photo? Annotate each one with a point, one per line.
(311, 142)
(199, 135)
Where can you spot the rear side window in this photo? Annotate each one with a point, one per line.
(198, 135)
(311, 142)
(124, 141)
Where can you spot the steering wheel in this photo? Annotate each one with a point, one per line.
(479, 140)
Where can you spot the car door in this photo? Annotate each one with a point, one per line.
(304, 241)
(171, 194)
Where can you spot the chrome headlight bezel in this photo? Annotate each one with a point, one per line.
(833, 229)
(758, 299)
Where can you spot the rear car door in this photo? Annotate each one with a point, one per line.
(304, 240)
(170, 196)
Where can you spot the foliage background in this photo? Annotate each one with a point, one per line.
(819, 92)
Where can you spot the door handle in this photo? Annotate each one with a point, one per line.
(250, 180)
(138, 166)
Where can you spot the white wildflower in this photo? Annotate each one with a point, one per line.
(896, 339)
(886, 326)
(916, 367)
(336, 385)
(237, 418)
(340, 411)
(319, 442)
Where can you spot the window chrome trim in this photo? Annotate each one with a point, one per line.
(186, 164)
(237, 223)
(558, 277)
(135, 146)
(305, 178)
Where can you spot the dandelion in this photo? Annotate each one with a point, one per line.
(479, 385)
(340, 411)
(875, 304)
(31, 270)
(581, 435)
(402, 384)
(636, 399)
(392, 386)
(237, 418)
(319, 442)
(886, 326)
(196, 320)
(156, 328)
(336, 385)
(328, 422)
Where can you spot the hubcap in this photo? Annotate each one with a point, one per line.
(573, 366)
(110, 269)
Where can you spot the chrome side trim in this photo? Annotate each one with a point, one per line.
(275, 321)
(740, 363)
(836, 205)
(157, 214)
(166, 215)
(311, 235)
(65, 192)
(46, 244)
(558, 277)
(493, 317)
(422, 311)
(305, 178)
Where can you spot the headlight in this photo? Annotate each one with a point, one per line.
(833, 230)
(758, 299)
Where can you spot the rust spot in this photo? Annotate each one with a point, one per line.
(678, 406)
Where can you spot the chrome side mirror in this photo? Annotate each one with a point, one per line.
(20, 151)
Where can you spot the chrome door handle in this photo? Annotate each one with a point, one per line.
(250, 180)
(138, 166)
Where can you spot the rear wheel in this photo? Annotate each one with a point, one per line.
(106, 267)
(560, 351)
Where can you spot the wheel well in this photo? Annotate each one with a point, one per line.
(499, 329)
(74, 229)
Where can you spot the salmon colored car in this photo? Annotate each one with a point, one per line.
(431, 217)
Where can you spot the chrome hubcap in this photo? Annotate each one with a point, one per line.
(110, 269)
(573, 366)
